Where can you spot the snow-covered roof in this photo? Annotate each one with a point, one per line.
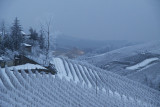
(4, 58)
(1, 59)
(25, 44)
(23, 32)
(26, 66)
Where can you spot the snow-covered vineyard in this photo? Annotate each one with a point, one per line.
(76, 84)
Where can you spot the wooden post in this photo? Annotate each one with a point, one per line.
(96, 86)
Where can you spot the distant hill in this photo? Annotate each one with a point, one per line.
(64, 41)
(64, 44)
(138, 62)
(118, 54)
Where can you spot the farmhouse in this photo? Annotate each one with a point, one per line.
(27, 48)
(6, 61)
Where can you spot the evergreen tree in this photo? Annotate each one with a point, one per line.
(33, 34)
(8, 42)
(1, 42)
(2, 34)
(16, 34)
(1, 45)
(2, 29)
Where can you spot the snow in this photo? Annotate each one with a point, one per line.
(1, 59)
(3, 73)
(23, 32)
(4, 58)
(25, 66)
(142, 64)
(25, 44)
(118, 54)
(74, 73)
(147, 75)
(39, 90)
(60, 68)
(85, 77)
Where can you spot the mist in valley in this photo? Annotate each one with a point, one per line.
(93, 50)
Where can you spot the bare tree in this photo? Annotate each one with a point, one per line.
(47, 31)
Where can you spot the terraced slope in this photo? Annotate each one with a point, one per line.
(76, 85)
(106, 81)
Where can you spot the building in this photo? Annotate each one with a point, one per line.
(6, 61)
(27, 48)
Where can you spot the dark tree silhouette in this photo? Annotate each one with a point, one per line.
(16, 34)
(33, 34)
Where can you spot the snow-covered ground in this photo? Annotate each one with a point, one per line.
(26, 67)
(45, 90)
(142, 64)
(131, 61)
(99, 60)
(149, 75)
(89, 75)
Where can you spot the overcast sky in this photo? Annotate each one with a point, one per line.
(90, 19)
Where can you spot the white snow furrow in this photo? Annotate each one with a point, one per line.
(83, 72)
(5, 79)
(77, 72)
(60, 68)
(68, 69)
(142, 64)
(74, 72)
(67, 90)
(88, 76)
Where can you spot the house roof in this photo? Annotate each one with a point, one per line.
(4, 58)
(1, 59)
(28, 45)
(23, 32)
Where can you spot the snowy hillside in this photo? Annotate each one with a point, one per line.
(77, 84)
(142, 64)
(130, 60)
(152, 47)
(149, 75)
(106, 81)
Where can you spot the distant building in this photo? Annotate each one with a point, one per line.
(27, 48)
(17, 60)
(6, 61)
(25, 35)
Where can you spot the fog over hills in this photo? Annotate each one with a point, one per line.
(96, 20)
(79, 53)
